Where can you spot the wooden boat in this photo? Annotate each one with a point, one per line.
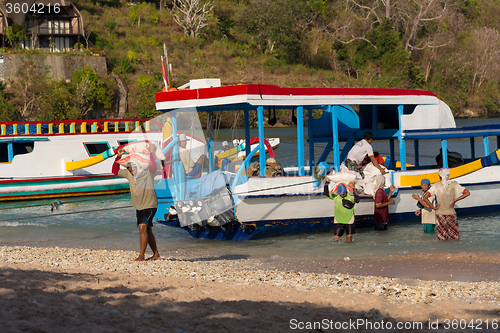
(71, 158)
(255, 207)
(57, 159)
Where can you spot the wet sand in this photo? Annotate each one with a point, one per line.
(78, 290)
(461, 266)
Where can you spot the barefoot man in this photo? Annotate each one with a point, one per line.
(143, 199)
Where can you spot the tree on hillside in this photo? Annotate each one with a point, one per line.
(192, 15)
(86, 35)
(143, 11)
(34, 30)
(84, 90)
(482, 13)
(32, 87)
(416, 15)
(345, 30)
(380, 51)
(484, 56)
(144, 96)
(92, 92)
(408, 16)
(15, 34)
(7, 110)
(62, 101)
(162, 4)
(278, 27)
(372, 11)
(439, 44)
(355, 19)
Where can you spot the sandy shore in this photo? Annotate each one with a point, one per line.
(459, 266)
(77, 290)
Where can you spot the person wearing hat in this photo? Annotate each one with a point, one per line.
(427, 214)
(143, 197)
(343, 213)
(191, 168)
(447, 193)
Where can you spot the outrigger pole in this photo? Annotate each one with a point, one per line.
(164, 74)
(167, 74)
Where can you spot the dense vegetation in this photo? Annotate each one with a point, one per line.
(448, 46)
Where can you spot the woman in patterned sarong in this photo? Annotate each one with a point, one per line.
(447, 193)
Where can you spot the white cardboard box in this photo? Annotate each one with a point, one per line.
(204, 83)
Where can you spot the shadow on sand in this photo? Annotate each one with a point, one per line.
(43, 301)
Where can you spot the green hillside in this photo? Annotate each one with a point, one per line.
(449, 47)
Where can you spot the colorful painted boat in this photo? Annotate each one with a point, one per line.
(255, 207)
(65, 158)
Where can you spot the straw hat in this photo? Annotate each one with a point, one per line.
(182, 137)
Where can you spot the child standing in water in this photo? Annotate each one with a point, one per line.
(427, 214)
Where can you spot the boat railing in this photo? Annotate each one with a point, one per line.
(65, 127)
(243, 166)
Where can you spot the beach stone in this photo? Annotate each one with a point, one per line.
(373, 314)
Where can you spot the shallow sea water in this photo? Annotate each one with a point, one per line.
(116, 229)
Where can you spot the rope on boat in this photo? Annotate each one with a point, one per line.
(67, 213)
(275, 188)
(241, 193)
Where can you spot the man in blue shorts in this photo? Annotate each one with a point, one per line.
(144, 199)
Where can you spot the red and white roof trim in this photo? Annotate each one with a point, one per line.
(266, 95)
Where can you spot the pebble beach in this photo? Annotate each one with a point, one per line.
(56, 289)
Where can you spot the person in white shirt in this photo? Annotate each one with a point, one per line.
(358, 153)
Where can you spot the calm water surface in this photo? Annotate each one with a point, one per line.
(116, 229)
(21, 224)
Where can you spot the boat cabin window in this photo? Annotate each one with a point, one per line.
(18, 148)
(387, 116)
(124, 142)
(95, 148)
(4, 157)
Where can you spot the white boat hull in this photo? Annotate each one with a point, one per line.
(41, 173)
(287, 202)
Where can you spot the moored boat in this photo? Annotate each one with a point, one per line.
(54, 159)
(255, 207)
